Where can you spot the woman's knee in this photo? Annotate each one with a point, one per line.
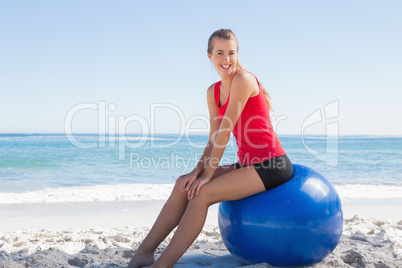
(177, 183)
(203, 199)
(177, 188)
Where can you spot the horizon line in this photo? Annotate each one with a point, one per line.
(185, 133)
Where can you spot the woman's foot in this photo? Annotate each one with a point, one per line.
(141, 259)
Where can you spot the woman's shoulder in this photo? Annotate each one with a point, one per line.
(211, 91)
(246, 80)
(243, 76)
(212, 87)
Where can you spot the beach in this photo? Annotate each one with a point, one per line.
(62, 205)
(106, 104)
(106, 233)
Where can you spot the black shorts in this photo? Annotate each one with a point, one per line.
(274, 171)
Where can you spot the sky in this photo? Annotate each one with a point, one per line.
(115, 67)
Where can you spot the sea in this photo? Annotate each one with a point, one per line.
(54, 168)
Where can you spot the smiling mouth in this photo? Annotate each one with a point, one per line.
(226, 66)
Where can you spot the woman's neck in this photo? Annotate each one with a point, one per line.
(226, 82)
(225, 85)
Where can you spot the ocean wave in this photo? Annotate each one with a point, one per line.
(141, 192)
(119, 192)
(369, 191)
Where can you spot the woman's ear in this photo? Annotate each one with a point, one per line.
(209, 56)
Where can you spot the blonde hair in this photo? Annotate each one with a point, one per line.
(227, 34)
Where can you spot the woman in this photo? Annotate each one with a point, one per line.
(238, 104)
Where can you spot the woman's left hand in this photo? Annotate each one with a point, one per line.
(196, 186)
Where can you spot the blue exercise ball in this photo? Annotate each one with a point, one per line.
(296, 223)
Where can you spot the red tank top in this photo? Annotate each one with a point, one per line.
(255, 137)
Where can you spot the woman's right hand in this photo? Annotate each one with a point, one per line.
(187, 180)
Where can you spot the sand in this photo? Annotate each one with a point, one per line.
(105, 234)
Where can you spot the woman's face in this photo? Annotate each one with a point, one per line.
(224, 56)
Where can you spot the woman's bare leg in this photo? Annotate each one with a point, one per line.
(168, 219)
(234, 185)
